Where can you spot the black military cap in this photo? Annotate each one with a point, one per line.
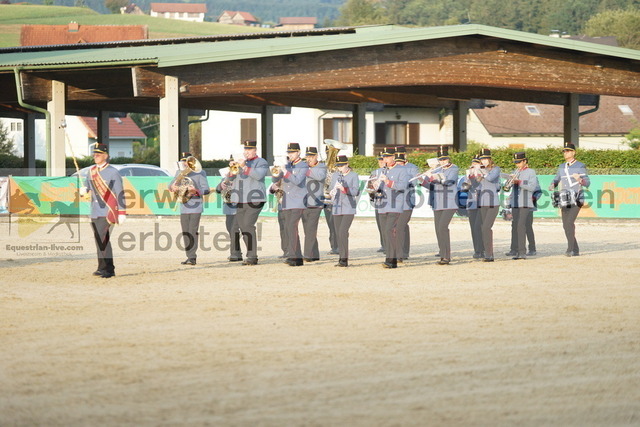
(485, 153)
(443, 152)
(569, 147)
(185, 155)
(519, 156)
(100, 148)
(292, 147)
(342, 160)
(249, 143)
(388, 151)
(312, 151)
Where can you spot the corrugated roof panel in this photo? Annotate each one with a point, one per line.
(237, 49)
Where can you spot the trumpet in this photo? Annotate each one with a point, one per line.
(510, 181)
(430, 172)
(234, 167)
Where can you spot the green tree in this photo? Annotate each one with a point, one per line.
(362, 12)
(6, 144)
(115, 5)
(623, 24)
(632, 139)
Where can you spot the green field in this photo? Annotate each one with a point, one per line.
(12, 17)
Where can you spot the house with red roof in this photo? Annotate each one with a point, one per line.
(74, 33)
(183, 11)
(231, 17)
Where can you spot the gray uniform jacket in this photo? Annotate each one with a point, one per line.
(444, 192)
(294, 185)
(378, 196)
(345, 202)
(472, 192)
(194, 204)
(488, 189)
(395, 194)
(113, 180)
(410, 199)
(522, 194)
(316, 177)
(568, 183)
(248, 185)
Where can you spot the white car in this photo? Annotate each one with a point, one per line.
(131, 169)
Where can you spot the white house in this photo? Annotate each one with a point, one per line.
(183, 11)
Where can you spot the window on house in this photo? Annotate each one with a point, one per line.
(338, 128)
(533, 110)
(626, 110)
(248, 129)
(396, 133)
(16, 127)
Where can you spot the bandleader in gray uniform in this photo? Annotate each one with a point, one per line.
(225, 188)
(375, 196)
(394, 185)
(345, 189)
(488, 200)
(249, 193)
(521, 202)
(294, 178)
(107, 207)
(314, 202)
(404, 233)
(443, 186)
(191, 209)
(572, 176)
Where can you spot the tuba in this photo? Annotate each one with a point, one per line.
(182, 182)
(333, 148)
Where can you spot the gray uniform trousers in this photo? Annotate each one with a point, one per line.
(190, 223)
(531, 237)
(519, 230)
(283, 233)
(102, 235)
(442, 218)
(389, 223)
(246, 217)
(404, 236)
(291, 221)
(569, 215)
(333, 239)
(234, 236)
(380, 229)
(342, 224)
(487, 219)
(310, 219)
(475, 223)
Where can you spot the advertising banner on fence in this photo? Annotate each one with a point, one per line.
(610, 196)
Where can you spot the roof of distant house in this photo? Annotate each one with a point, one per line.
(616, 115)
(244, 15)
(179, 7)
(606, 40)
(73, 33)
(119, 127)
(298, 20)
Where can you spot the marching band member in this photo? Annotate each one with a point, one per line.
(345, 187)
(328, 216)
(394, 185)
(572, 177)
(488, 200)
(250, 195)
(471, 183)
(225, 187)
(404, 234)
(443, 188)
(294, 177)
(191, 208)
(523, 183)
(274, 188)
(107, 206)
(314, 202)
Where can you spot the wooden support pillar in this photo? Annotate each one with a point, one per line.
(169, 125)
(103, 127)
(184, 130)
(29, 143)
(359, 129)
(267, 133)
(572, 119)
(460, 126)
(56, 149)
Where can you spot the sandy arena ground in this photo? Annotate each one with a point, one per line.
(545, 341)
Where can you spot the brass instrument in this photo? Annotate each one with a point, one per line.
(433, 171)
(234, 167)
(182, 182)
(512, 178)
(334, 148)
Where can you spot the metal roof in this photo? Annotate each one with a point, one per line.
(283, 43)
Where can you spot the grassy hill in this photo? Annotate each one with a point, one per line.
(12, 17)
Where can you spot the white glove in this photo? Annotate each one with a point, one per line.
(121, 219)
(83, 191)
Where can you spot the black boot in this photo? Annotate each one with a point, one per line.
(343, 262)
